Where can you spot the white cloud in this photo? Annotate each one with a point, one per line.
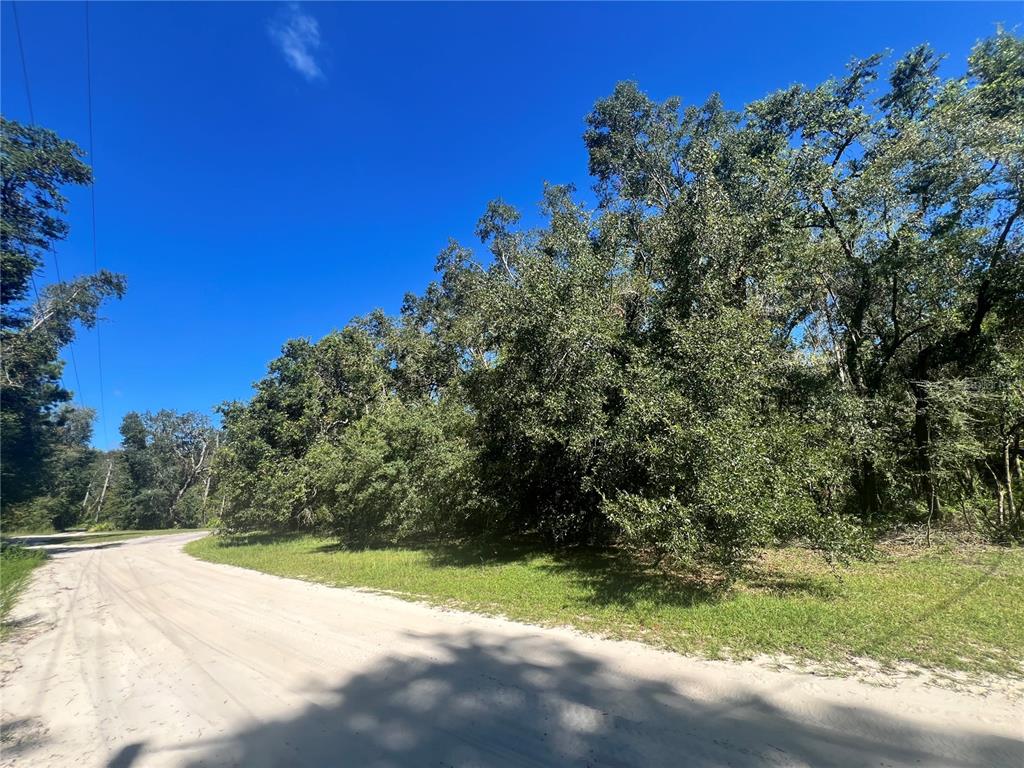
(297, 35)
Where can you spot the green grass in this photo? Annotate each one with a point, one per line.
(940, 608)
(16, 565)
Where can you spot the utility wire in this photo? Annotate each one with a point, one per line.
(31, 111)
(24, 66)
(92, 190)
(71, 348)
(56, 261)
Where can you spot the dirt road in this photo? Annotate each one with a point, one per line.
(134, 654)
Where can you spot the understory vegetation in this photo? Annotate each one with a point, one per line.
(801, 321)
(945, 608)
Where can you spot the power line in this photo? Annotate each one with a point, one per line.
(24, 66)
(32, 120)
(31, 111)
(92, 190)
(56, 260)
(71, 347)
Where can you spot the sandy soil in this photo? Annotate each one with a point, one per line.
(134, 654)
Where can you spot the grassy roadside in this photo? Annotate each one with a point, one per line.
(942, 609)
(16, 565)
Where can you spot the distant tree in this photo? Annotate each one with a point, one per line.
(167, 458)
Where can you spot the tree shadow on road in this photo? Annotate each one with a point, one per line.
(491, 700)
(22, 734)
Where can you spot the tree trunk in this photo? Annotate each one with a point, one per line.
(103, 493)
(209, 476)
(1009, 481)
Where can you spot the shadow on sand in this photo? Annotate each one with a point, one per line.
(485, 700)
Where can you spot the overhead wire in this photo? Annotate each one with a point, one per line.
(56, 261)
(28, 99)
(92, 192)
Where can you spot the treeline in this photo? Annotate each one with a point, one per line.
(161, 477)
(801, 320)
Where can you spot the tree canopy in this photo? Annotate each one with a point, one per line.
(802, 319)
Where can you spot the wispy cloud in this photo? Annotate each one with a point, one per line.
(297, 35)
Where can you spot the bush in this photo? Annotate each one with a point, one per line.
(401, 472)
(35, 516)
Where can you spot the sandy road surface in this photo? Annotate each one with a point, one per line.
(134, 654)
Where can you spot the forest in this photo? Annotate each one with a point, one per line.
(799, 321)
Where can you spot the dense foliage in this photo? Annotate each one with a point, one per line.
(43, 439)
(799, 320)
(161, 477)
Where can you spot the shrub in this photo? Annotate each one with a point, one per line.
(401, 472)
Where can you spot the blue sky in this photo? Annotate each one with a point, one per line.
(266, 171)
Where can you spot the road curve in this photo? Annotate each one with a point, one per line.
(135, 654)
